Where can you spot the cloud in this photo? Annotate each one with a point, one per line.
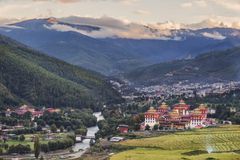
(104, 21)
(201, 3)
(228, 4)
(127, 2)
(68, 1)
(187, 5)
(196, 3)
(214, 35)
(142, 12)
(7, 21)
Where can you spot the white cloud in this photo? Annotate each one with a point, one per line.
(196, 3)
(7, 21)
(142, 12)
(228, 4)
(127, 2)
(214, 35)
(201, 3)
(187, 5)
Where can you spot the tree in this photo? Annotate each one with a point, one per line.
(69, 128)
(147, 127)
(92, 142)
(27, 115)
(53, 128)
(81, 131)
(22, 138)
(155, 127)
(36, 147)
(39, 128)
(61, 129)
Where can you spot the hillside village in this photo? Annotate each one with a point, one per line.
(187, 89)
(27, 111)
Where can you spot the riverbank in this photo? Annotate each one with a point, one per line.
(80, 148)
(76, 151)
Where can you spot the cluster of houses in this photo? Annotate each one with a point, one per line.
(179, 117)
(34, 112)
(5, 129)
(187, 89)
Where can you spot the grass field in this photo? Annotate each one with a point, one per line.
(28, 140)
(223, 142)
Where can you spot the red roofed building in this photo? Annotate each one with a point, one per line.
(182, 108)
(123, 128)
(163, 108)
(151, 117)
(181, 117)
(199, 117)
(52, 110)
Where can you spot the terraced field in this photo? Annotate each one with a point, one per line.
(224, 142)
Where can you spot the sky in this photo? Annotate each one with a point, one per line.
(144, 11)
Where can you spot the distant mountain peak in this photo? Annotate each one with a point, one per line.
(108, 27)
(208, 23)
(52, 20)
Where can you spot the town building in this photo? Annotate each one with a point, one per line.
(34, 112)
(151, 117)
(179, 117)
(233, 109)
(123, 128)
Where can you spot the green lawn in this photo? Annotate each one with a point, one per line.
(28, 139)
(224, 140)
(157, 154)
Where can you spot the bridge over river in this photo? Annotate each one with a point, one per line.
(80, 138)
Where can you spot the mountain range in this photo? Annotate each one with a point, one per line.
(111, 46)
(28, 76)
(217, 66)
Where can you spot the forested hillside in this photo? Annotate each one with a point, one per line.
(29, 76)
(210, 67)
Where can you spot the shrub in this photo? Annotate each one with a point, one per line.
(44, 148)
(195, 152)
(53, 128)
(20, 149)
(60, 144)
(155, 127)
(22, 138)
(147, 128)
(81, 131)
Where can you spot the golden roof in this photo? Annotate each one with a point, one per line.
(182, 101)
(202, 106)
(164, 106)
(151, 110)
(174, 114)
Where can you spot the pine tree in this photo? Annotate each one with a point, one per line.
(36, 147)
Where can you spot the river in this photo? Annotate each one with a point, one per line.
(79, 148)
(84, 145)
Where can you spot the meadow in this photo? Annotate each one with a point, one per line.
(29, 140)
(203, 144)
